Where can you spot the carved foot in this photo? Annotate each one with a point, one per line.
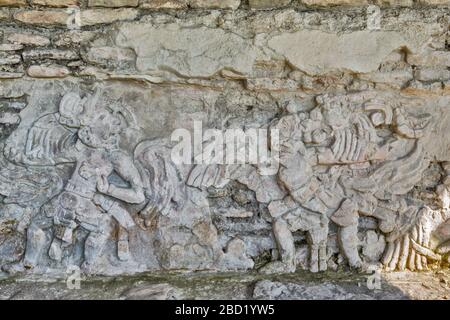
(277, 267)
(123, 250)
(55, 251)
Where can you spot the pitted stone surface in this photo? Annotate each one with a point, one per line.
(90, 98)
(319, 52)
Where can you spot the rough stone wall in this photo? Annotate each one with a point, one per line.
(359, 90)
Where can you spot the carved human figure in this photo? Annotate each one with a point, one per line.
(88, 200)
(390, 165)
(335, 166)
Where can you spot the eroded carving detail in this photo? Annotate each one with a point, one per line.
(348, 168)
(351, 156)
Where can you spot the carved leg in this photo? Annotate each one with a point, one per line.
(92, 249)
(285, 243)
(34, 247)
(123, 248)
(318, 246)
(55, 251)
(348, 241)
(314, 258)
(35, 243)
(323, 258)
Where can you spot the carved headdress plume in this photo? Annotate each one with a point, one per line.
(119, 110)
(71, 104)
(70, 109)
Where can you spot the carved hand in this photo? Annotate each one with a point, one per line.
(102, 184)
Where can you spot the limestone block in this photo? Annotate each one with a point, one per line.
(42, 17)
(318, 52)
(110, 56)
(325, 3)
(53, 54)
(13, 3)
(435, 2)
(51, 71)
(10, 47)
(55, 3)
(200, 51)
(215, 4)
(164, 4)
(430, 59)
(403, 3)
(267, 4)
(77, 37)
(28, 39)
(113, 3)
(4, 14)
(10, 75)
(7, 58)
(99, 16)
(432, 74)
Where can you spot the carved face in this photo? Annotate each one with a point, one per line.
(95, 168)
(102, 131)
(336, 115)
(68, 201)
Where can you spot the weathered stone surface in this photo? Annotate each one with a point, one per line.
(356, 176)
(13, 3)
(8, 58)
(196, 4)
(164, 4)
(430, 59)
(28, 39)
(225, 286)
(268, 290)
(99, 16)
(265, 84)
(71, 38)
(53, 54)
(267, 4)
(10, 75)
(432, 74)
(9, 118)
(4, 14)
(404, 3)
(113, 3)
(397, 78)
(360, 51)
(435, 2)
(42, 17)
(215, 4)
(50, 71)
(334, 2)
(10, 47)
(111, 57)
(55, 3)
(160, 291)
(205, 51)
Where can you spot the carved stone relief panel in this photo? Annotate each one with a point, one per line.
(89, 178)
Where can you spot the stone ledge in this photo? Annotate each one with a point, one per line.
(161, 286)
(13, 3)
(219, 4)
(55, 3)
(113, 3)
